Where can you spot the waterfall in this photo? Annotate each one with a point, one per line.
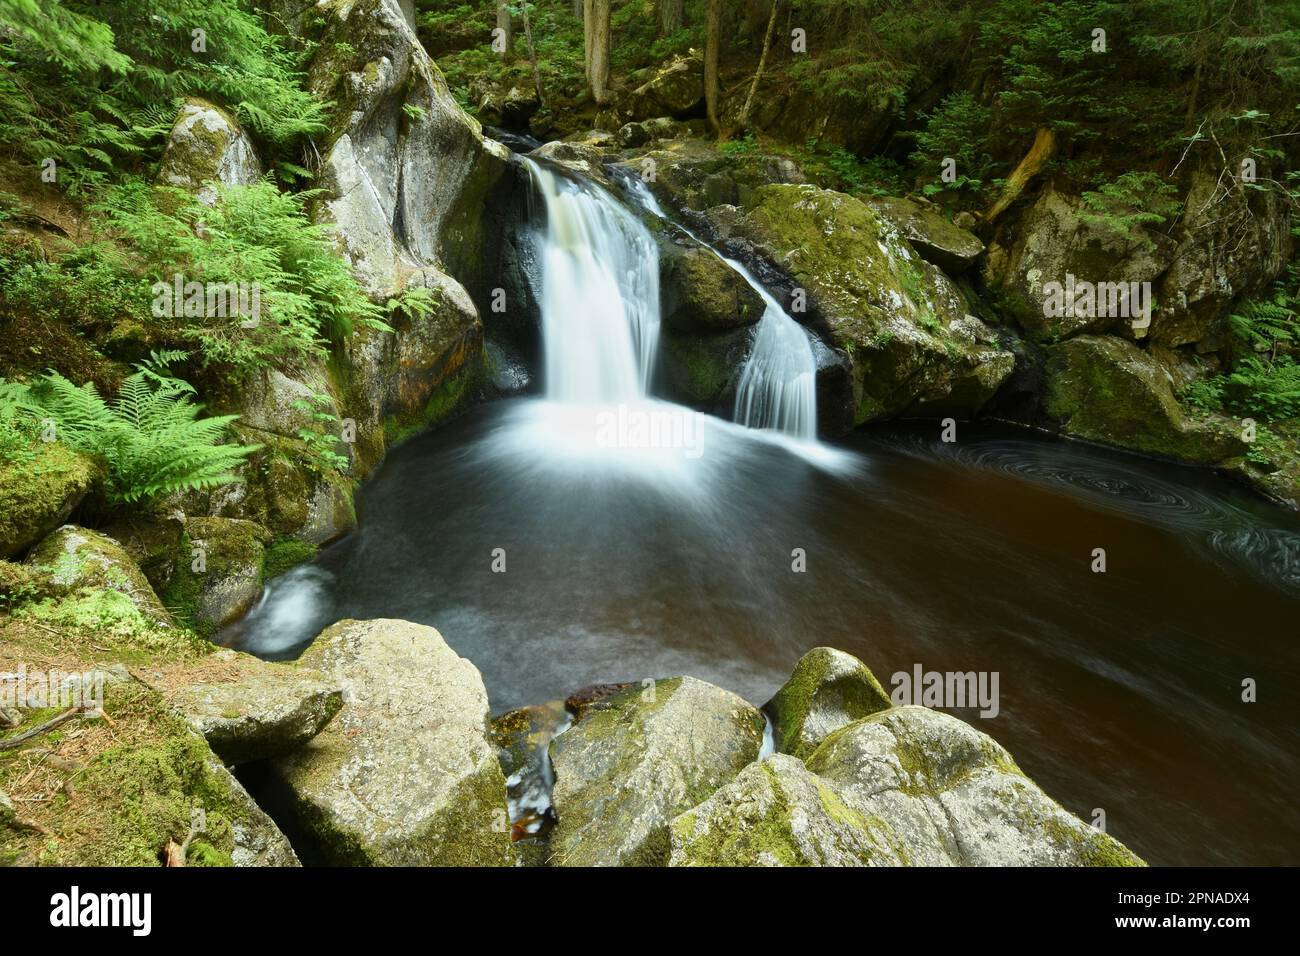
(778, 386)
(600, 294)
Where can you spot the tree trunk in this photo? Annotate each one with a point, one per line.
(672, 13)
(713, 40)
(1039, 153)
(507, 27)
(577, 9)
(762, 63)
(596, 35)
(532, 53)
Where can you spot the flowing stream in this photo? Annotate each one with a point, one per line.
(642, 540)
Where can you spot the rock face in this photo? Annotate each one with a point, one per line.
(1051, 241)
(79, 558)
(1104, 389)
(949, 247)
(405, 775)
(638, 759)
(942, 793)
(270, 710)
(827, 690)
(776, 813)
(231, 578)
(701, 293)
(38, 496)
(207, 145)
(904, 326)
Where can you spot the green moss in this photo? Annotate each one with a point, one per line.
(38, 494)
(444, 402)
(285, 554)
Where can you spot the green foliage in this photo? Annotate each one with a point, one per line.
(1132, 201)
(150, 435)
(321, 437)
(93, 84)
(254, 235)
(956, 129)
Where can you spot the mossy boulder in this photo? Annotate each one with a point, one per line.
(1104, 389)
(153, 542)
(405, 775)
(640, 758)
(699, 292)
(675, 89)
(827, 690)
(78, 559)
(903, 325)
(776, 813)
(262, 710)
(691, 174)
(704, 370)
(206, 146)
(221, 570)
(38, 495)
(939, 241)
(948, 795)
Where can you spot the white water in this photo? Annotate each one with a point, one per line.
(778, 387)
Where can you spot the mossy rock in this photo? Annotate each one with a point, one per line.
(78, 559)
(219, 573)
(640, 758)
(38, 495)
(948, 246)
(405, 775)
(776, 813)
(827, 690)
(207, 145)
(950, 795)
(140, 788)
(701, 293)
(1105, 389)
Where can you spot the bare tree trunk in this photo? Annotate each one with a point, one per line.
(762, 64)
(672, 13)
(507, 27)
(577, 9)
(1039, 153)
(712, 42)
(596, 32)
(532, 53)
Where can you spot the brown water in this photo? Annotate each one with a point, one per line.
(1119, 691)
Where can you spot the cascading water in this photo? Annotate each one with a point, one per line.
(600, 294)
(778, 387)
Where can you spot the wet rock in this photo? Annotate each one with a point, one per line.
(77, 558)
(888, 311)
(827, 690)
(229, 579)
(39, 495)
(405, 775)
(950, 795)
(776, 813)
(703, 370)
(580, 701)
(640, 758)
(208, 145)
(699, 292)
(1105, 389)
(267, 711)
(522, 737)
(939, 241)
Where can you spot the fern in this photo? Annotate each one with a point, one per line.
(150, 435)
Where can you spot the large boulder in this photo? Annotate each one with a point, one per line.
(776, 813)
(949, 247)
(913, 347)
(638, 759)
(827, 690)
(1104, 389)
(208, 146)
(79, 559)
(405, 775)
(698, 291)
(675, 89)
(258, 709)
(1052, 241)
(38, 495)
(947, 794)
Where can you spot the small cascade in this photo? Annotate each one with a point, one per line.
(778, 387)
(599, 301)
